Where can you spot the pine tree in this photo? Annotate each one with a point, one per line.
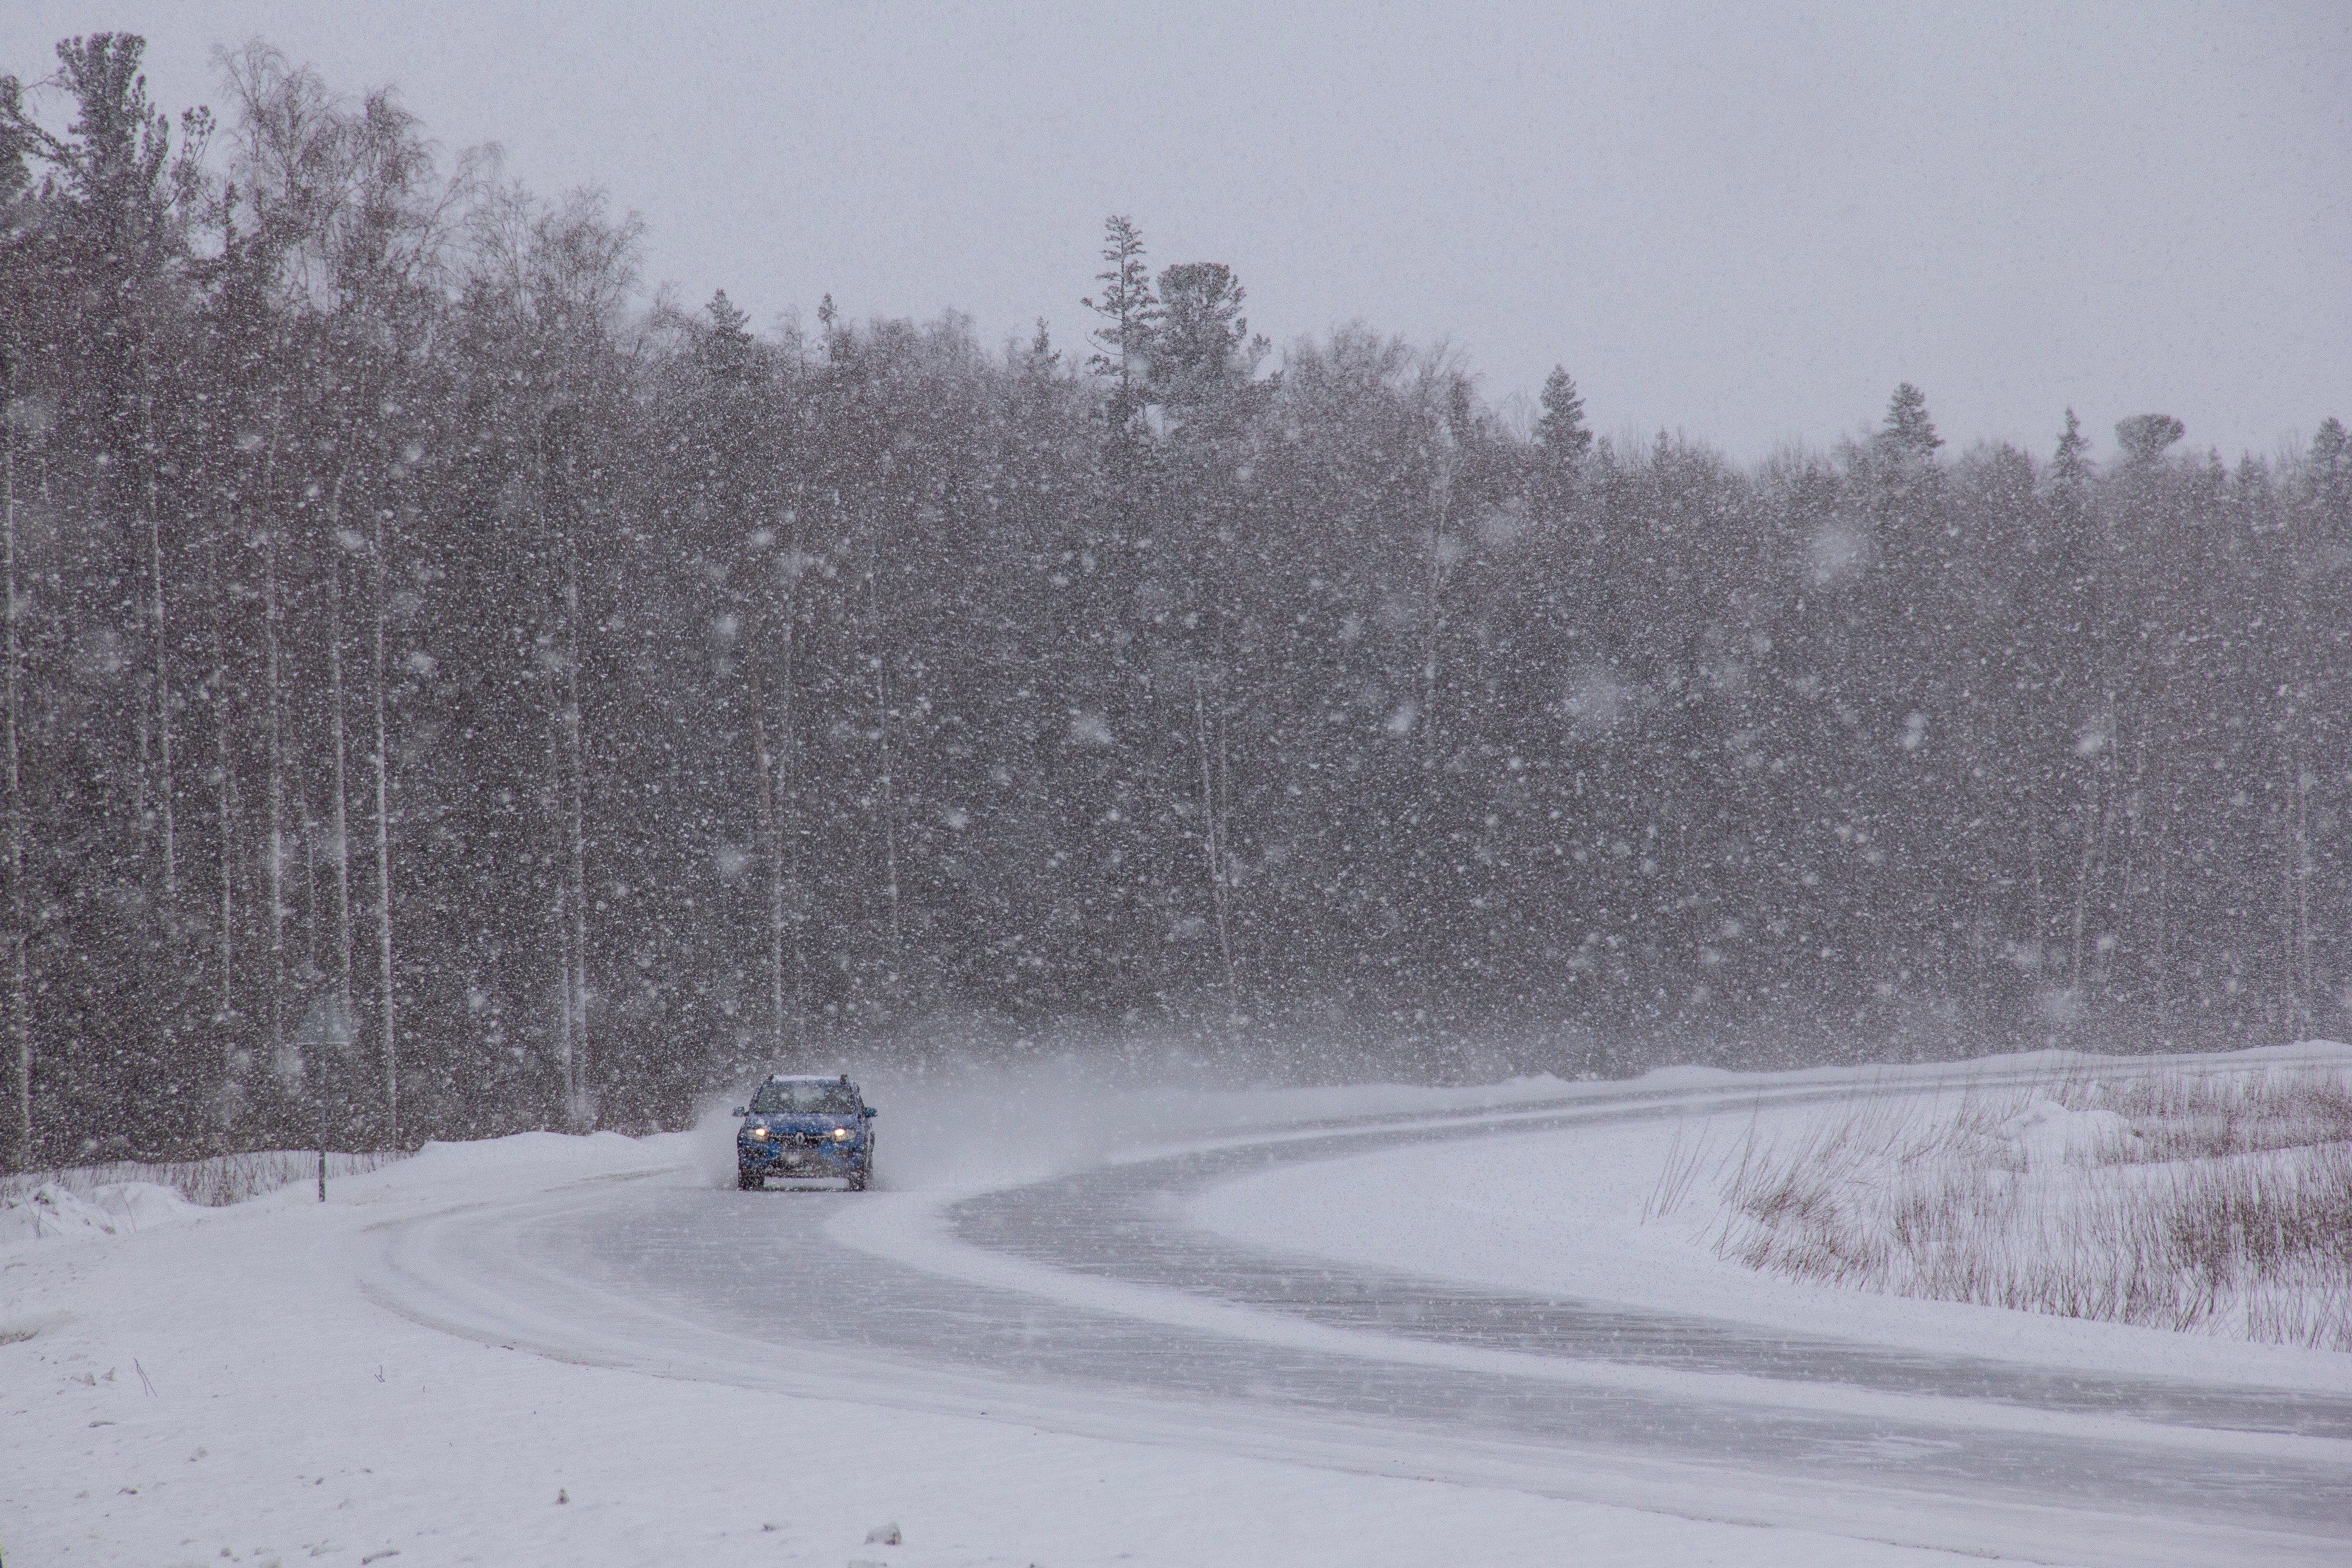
(725, 350)
(2070, 469)
(2068, 463)
(2331, 478)
(1130, 313)
(1909, 432)
(1561, 431)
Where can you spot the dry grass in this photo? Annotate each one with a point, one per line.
(215, 1183)
(2217, 1203)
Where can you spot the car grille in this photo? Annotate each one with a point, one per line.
(780, 1142)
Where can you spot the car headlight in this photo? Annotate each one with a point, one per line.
(758, 1133)
(841, 1134)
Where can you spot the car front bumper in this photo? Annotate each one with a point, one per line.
(789, 1158)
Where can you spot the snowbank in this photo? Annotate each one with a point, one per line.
(114, 1208)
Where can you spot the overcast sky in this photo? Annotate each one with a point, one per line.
(1747, 227)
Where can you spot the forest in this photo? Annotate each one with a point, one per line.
(451, 688)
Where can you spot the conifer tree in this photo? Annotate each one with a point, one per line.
(1130, 315)
(2070, 467)
(2331, 478)
(1561, 431)
(1909, 432)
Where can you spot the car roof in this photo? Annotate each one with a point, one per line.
(808, 1077)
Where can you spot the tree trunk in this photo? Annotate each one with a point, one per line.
(1438, 543)
(2091, 833)
(792, 830)
(771, 845)
(273, 726)
(1212, 756)
(337, 807)
(559, 648)
(388, 1042)
(310, 883)
(224, 787)
(2120, 905)
(582, 1111)
(2034, 866)
(559, 913)
(887, 784)
(2298, 908)
(889, 807)
(2160, 969)
(161, 644)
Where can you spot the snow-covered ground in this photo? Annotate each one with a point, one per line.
(220, 1385)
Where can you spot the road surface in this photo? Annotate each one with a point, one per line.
(1082, 1303)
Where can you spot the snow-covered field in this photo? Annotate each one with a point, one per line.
(219, 1385)
(2206, 1201)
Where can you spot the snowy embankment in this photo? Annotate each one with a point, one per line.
(132, 1195)
(1843, 1205)
(227, 1388)
(104, 1208)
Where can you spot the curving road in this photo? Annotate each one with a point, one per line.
(1076, 1303)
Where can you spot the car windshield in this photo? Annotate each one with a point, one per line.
(808, 1099)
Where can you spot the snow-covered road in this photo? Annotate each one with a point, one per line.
(1086, 1304)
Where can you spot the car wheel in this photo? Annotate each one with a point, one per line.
(747, 1180)
(857, 1180)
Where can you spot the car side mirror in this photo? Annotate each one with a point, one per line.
(869, 1111)
(738, 1111)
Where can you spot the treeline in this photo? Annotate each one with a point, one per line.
(449, 693)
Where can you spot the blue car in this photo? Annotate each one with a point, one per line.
(804, 1127)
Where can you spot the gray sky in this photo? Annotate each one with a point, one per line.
(1747, 227)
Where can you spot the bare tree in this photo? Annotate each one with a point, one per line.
(353, 226)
